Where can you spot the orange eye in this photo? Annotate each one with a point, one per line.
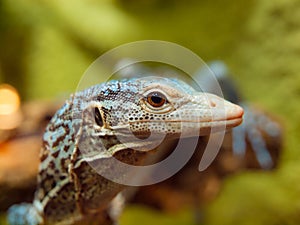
(156, 99)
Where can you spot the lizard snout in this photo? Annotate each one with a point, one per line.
(223, 109)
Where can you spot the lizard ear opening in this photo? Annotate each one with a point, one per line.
(98, 117)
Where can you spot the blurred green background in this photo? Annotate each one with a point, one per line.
(45, 46)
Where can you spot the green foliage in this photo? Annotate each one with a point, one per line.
(269, 75)
(58, 40)
(47, 45)
(256, 198)
(145, 216)
(3, 219)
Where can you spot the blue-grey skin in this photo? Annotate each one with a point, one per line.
(96, 125)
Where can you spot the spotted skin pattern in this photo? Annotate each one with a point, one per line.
(105, 121)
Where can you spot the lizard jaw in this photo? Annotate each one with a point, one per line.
(223, 115)
(219, 116)
(207, 113)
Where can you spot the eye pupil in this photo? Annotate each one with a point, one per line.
(156, 99)
(98, 117)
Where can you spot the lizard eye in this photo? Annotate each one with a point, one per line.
(98, 117)
(156, 99)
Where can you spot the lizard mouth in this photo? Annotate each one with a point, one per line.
(217, 121)
(219, 125)
(229, 120)
(229, 123)
(190, 128)
(220, 113)
(233, 122)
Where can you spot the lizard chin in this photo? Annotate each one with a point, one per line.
(219, 126)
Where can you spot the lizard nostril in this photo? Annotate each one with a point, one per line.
(212, 104)
(215, 101)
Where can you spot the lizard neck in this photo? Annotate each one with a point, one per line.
(67, 184)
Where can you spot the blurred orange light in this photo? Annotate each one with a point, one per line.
(9, 99)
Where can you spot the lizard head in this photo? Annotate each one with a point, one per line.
(153, 108)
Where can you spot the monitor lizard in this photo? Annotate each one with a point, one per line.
(90, 126)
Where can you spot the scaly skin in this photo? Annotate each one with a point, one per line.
(113, 119)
